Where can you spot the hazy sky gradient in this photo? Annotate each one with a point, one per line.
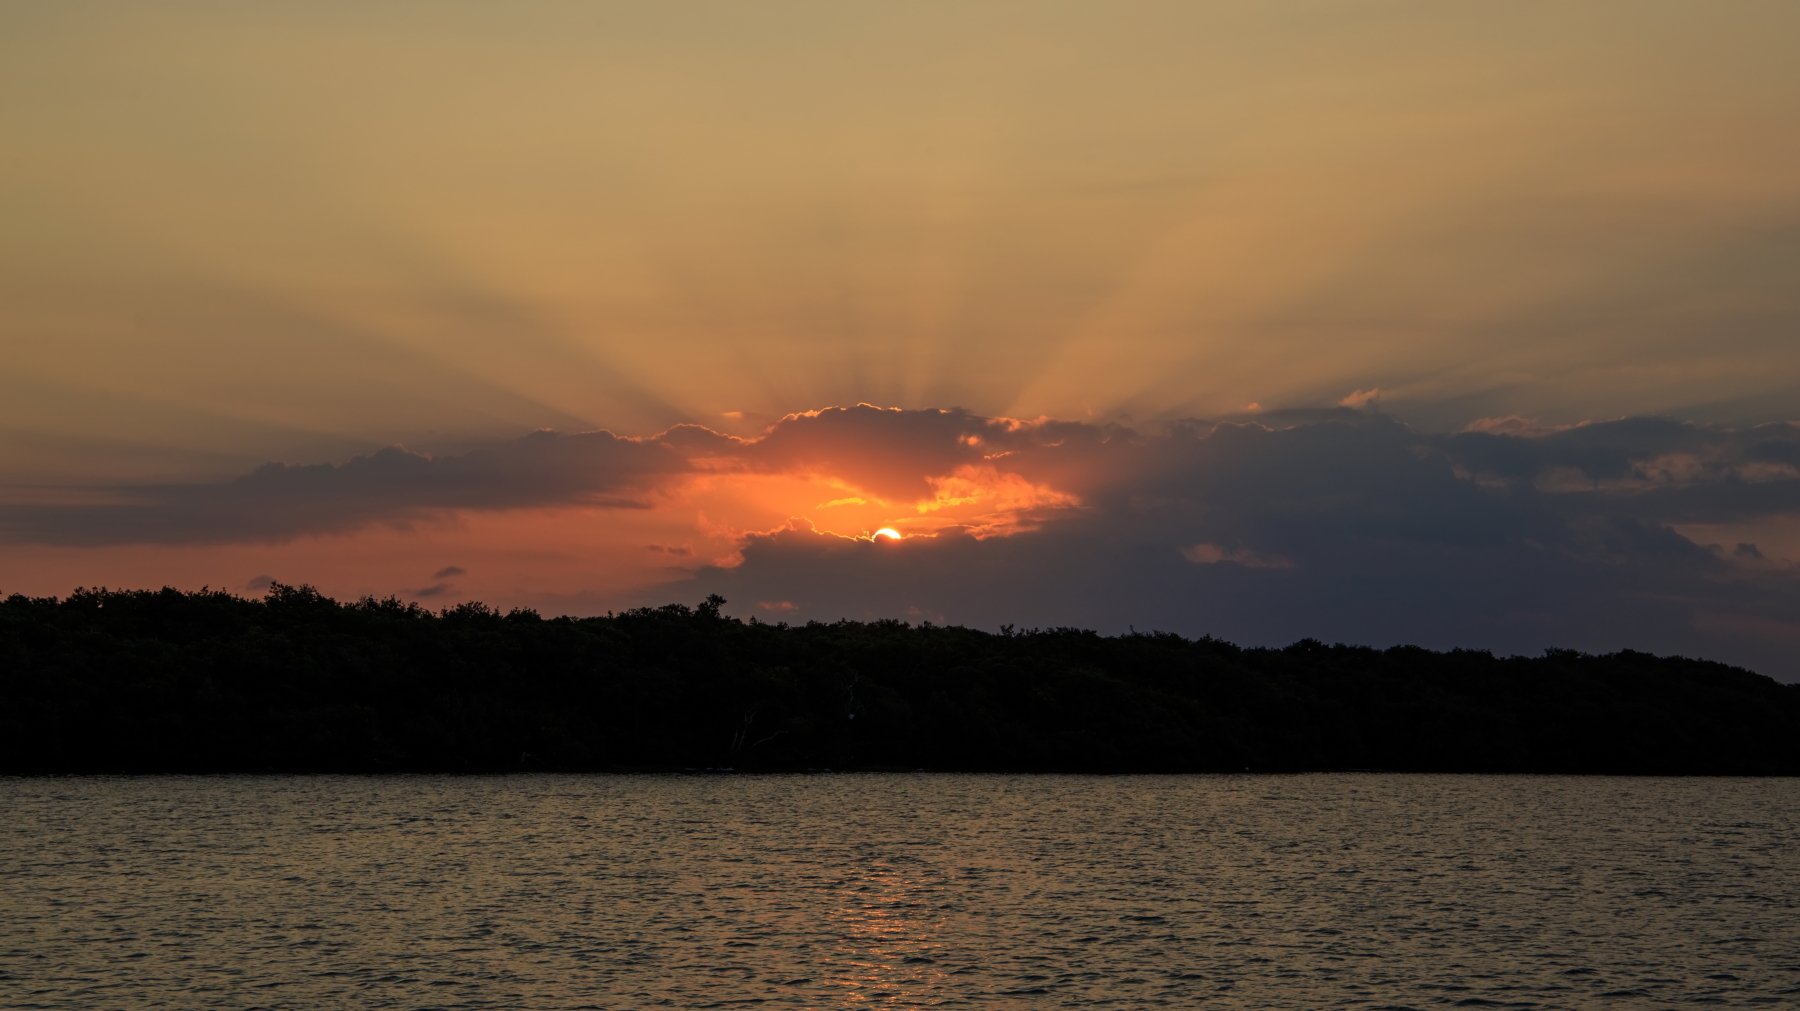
(234, 229)
(233, 234)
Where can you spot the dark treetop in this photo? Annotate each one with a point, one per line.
(166, 681)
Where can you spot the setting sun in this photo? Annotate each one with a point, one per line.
(888, 532)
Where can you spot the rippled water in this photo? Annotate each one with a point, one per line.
(898, 890)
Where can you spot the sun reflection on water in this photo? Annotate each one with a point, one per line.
(891, 922)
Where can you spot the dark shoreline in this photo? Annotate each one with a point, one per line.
(152, 682)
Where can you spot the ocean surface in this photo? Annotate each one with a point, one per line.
(895, 890)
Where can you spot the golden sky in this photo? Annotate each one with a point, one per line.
(237, 231)
(299, 232)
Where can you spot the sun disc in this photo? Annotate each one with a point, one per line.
(888, 532)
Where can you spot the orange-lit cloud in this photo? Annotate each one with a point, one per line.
(553, 514)
(1348, 525)
(1335, 522)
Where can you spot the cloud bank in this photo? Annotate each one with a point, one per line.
(1338, 524)
(1346, 527)
(278, 500)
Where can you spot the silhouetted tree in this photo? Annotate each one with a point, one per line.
(109, 680)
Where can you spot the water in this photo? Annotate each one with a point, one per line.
(834, 891)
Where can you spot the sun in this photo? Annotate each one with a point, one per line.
(888, 532)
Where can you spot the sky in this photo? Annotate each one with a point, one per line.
(1392, 322)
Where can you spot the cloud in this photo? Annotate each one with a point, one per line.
(1356, 528)
(891, 453)
(1333, 523)
(1645, 451)
(280, 500)
(448, 571)
(929, 458)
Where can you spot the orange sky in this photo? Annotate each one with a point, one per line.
(233, 234)
(860, 474)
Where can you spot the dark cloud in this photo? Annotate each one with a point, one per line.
(1642, 452)
(1337, 524)
(280, 500)
(448, 571)
(887, 452)
(1357, 529)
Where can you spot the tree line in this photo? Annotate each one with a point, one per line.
(107, 681)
